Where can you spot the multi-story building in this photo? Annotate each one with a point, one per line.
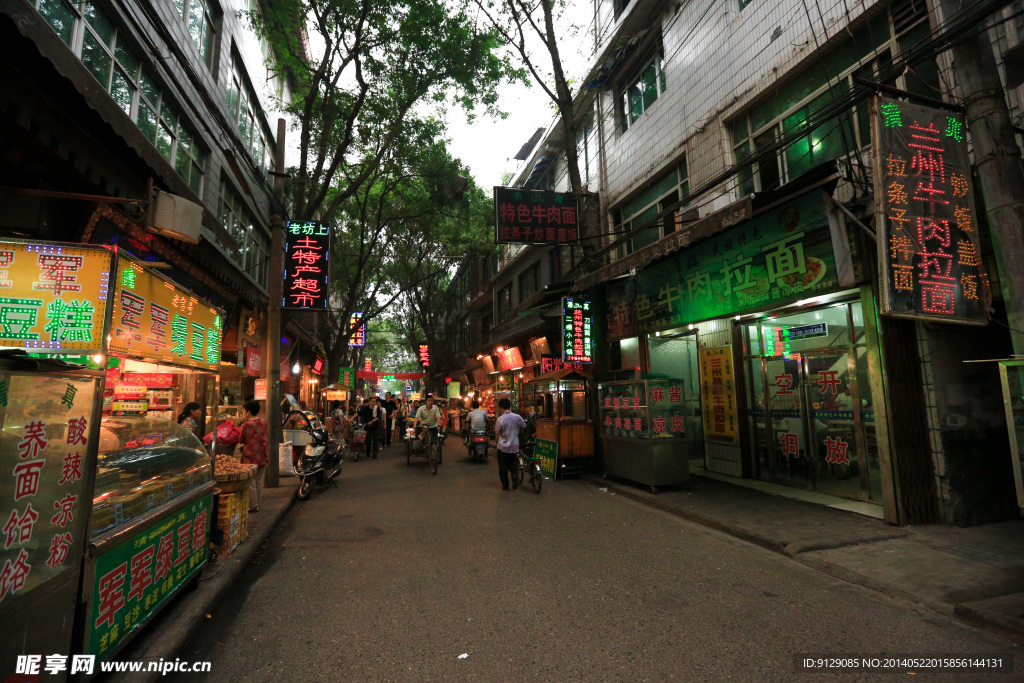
(731, 144)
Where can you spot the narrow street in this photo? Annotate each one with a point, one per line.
(397, 573)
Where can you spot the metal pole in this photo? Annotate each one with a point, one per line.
(275, 287)
(997, 158)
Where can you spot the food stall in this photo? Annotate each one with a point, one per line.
(643, 430)
(563, 415)
(153, 499)
(54, 314)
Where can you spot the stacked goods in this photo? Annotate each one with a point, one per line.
(155, 491)
(232, 475)
(107, 479)
(229, 520)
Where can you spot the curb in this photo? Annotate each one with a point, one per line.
(189, 610)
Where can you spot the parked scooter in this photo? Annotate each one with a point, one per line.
(479, 445)
(321, 461)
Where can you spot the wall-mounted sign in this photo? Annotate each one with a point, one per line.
(504, 381)
(424, 355)
(510, 359)
(53, 297)
(719, 396)
(358, 328)
(552, 363)
(318, 364)
(250, 326)
(154, 319)
(788, 334)
(535, 216)
(261, 390)
(577, 331)
(126, 407)
(928, 244)
(253, 364)
(337, 395)
(306, 265)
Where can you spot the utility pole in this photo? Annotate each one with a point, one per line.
(275, 287)
(997, 158)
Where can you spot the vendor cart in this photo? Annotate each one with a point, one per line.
(563, 415)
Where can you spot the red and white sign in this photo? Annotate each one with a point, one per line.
(510, 359)
(424, 356)
(252, 361)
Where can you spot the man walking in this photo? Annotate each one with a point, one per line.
(507, 430)
(392, 408)
(374, 429)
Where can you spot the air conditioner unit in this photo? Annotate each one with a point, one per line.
(175, 217)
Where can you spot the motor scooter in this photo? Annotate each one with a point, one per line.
(478, 445)
(321, 459)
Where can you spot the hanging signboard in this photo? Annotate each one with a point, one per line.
(53, 297)
(358, 328)
(318, 364)
(306, 265)
(535, 216)
(454, 390)
(718, 396)
(928, 245)
(253, 366)
(154, 319)
(577, 331)
(782, 255)
(424, 356)
(261, 390)
(347, 378)
(510, 359)
(368, 364)
(552, 363)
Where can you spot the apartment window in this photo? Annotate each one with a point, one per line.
(619, 5)
(112, 60)
(529, 281)
(199, 19)
(248, 116)
(253, 241)
(641, 89)
(671, 188)
(744, 3)
(789, 109)
(504, 300)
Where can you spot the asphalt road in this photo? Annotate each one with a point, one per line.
(398, 573)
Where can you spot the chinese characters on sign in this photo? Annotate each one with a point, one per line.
(928, 247)
(358, 329)
(43, 459)
(252, 360)
(347, 378)
(719, 395)
(535, 216)
(155, 319)
(134, 578)
(318, 364)
(53, 298)
(424, 355)
(552, 363)
(306, 263)
(577, 331)
(368, 364)
(510, 359)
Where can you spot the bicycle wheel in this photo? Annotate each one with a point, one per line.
(432, 456)
(536, 478)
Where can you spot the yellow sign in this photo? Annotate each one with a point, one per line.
(53, 297)
(154, 319)
(721, 424)
(336, 395)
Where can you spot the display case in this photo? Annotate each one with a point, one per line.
(642, 428)
(144, 463)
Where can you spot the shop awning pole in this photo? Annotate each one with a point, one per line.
(275, 287)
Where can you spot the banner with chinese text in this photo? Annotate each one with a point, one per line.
(718, 396)
(347, 378)
(306, 265)
(133, 579)
(357, 327)
(43, 461)
(53, 298)
(547, 451)
(928, 244)
(535, 216)
(154, 319)
(423, 355)
(777, 257)
(577, 331)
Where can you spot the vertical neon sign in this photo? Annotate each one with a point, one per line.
(306, 260)
(577, 331)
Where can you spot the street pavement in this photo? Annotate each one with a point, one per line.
(401, 575)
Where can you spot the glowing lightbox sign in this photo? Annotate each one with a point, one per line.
(306, 261)
(524, 216)
(928, 244)
(424, 355)
(577, 331)
(53, 297)
(358, 327)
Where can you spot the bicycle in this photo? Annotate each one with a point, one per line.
(528, 463)
(433, 448)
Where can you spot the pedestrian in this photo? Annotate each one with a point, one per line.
(507, 431)
(400, 409)
(255, 451)
(190, 416)
(374, 428)
(389, 423)
(337, 422)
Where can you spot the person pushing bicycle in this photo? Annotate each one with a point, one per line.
(507, 430)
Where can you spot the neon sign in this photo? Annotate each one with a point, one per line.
(577, 331)
(928, 244)
(318, 364)
(306, 257)
(357, 327)
(424, 355)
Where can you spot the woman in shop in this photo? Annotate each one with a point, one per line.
(190, 417)
(255, 451)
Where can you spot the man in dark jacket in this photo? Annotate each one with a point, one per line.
(391, 407)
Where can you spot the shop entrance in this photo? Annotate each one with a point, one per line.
(809, 405)
(675, 355)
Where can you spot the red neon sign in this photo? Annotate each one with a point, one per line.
(306, 275)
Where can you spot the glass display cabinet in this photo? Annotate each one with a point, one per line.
(642, 428)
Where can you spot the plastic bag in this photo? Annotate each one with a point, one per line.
(227, 434)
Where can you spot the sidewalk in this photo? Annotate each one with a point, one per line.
(166, 636)
(975, 573)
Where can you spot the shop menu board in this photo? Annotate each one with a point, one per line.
(535, 216)
(577, 331)
(132, 579)
(53, 298)
(719, 395)
(306, 265)
(547, 451)
(154, 319)
(782, 255)
(43, 501)
(928, 245)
